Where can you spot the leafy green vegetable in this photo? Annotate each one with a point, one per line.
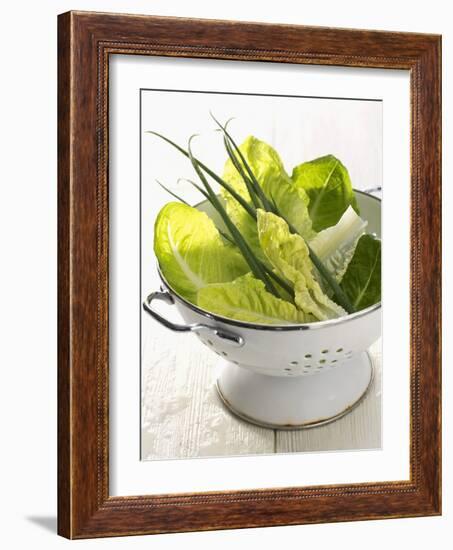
(191, 252)
(245, 224)
(264, 162)
(268, 264)
(248, 255)
(362, 280)
(327, 183)
(335, 245)
(267, 167)
(246, 299)
(213, 175)
(289, 254)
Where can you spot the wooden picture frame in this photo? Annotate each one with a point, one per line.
(85, 42)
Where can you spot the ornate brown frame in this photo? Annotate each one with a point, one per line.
(85, 42)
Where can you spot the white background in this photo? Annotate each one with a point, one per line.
(28, 287)
(129, 475)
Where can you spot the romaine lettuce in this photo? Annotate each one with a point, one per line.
(327, 183)
(246, 299)
(335, 245)
(268, 169)
(304, 237)
(289, 254)
(245, 224)
(362, 280)
(191, 252)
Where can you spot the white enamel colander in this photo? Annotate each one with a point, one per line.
(289, 376)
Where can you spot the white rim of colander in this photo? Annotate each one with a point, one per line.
(245, 324)
(288, 327)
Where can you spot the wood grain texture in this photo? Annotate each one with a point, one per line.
(360, 429)
(64, 367)
(183, 416)
(85, 42)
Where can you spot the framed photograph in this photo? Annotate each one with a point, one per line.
(249, 275)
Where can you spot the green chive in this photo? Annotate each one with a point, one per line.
(257, 187)
(340, 296)
(240, 171)
(228, 238)
(173, 194)
(240, 242)
(289, 289)
(248, 207)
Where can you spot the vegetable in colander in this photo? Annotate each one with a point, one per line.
(292, 249)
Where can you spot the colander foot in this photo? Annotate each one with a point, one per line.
(295, 402)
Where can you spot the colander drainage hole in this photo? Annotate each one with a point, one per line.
(339, 350)
(225, 353)
(308, 355)
(322, 361)
(288, 369)
(294, 363)
(210, 342)
(325, 351)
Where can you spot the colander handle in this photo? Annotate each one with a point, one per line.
(373, 190)
(229, 337)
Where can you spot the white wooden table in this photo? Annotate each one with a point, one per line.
(183, 416)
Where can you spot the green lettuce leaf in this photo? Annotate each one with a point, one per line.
(246, 299)
(191, 252)
(245, 224)
(266, 165)
(289, 254)
(327, 183)
(362, 280)
(335, 245)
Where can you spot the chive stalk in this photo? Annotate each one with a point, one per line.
(340, 296)
(248, 207)
(255, 183)
(240, 171)
(248, 254)
(172, 194)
